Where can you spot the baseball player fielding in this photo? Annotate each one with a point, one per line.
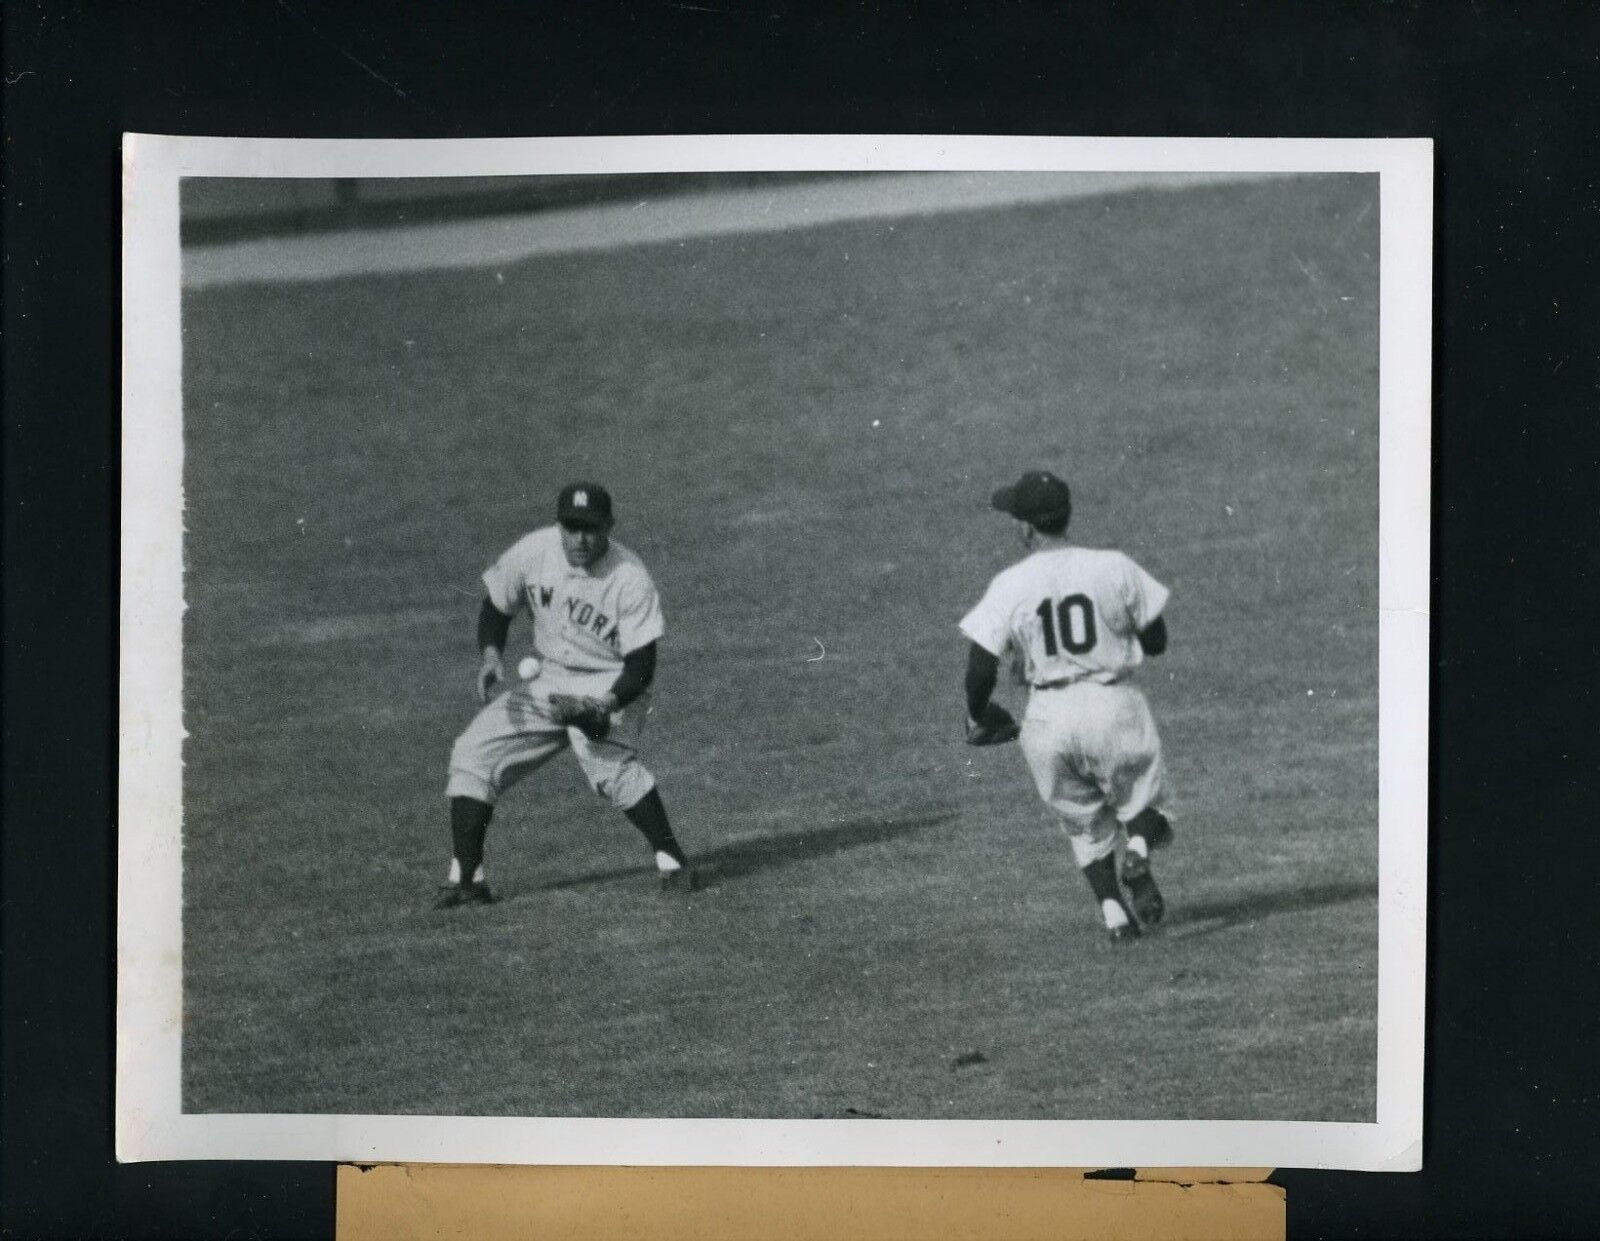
(596, 621)
(1079, 621)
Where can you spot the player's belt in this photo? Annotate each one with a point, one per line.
(1072, 681)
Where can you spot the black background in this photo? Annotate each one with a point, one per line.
(1509, 95)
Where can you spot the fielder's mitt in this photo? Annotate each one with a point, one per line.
(588, 715)
(994, 727)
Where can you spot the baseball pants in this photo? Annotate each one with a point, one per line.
(514, 735)
(1095, 757)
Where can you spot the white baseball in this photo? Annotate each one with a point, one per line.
(528, 668)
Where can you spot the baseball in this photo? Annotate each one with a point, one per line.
(528, 668)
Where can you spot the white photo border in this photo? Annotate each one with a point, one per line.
(150, 1123)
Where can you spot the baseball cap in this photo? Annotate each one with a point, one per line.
(586, 505)
(1038, 498)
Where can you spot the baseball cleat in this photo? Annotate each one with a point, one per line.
(1141, 884)
(679, 882)
(1124, 934)
(453, 894)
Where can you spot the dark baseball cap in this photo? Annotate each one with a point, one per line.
(585, 505)
(1038, 498)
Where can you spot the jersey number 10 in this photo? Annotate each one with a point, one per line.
(1068, 624)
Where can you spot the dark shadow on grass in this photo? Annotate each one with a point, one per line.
(1209, 917)
(748, 857)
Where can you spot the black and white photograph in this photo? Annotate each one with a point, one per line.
(857, 651)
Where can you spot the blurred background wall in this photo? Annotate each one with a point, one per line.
(229, 208)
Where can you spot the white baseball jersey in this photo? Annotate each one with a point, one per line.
(1074, 614)
(584, 620)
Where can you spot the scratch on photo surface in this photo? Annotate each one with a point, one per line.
(348, 54)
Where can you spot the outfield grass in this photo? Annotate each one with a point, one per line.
(801, 432)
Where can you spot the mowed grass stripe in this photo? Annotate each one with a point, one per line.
(1202, 365)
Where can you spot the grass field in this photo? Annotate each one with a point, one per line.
(801, 431)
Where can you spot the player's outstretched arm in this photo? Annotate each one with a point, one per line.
(493, 628)
(1153, 637)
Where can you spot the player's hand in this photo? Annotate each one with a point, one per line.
(590, 716)
(995, 726)
(490, 673)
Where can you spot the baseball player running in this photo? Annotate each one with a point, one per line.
(1080, 620)
(596, 620)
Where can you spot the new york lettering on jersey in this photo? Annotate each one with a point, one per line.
(585, 619)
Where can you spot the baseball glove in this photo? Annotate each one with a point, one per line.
(588, 715)
(994, 727)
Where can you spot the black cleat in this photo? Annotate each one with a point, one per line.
(452, 895)
(1124, 934)
(679, 882)
(1142, 891)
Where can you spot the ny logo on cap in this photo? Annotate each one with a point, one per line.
(580, 499)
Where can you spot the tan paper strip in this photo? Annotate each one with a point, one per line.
(400, 1202)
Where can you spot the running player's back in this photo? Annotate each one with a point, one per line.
(1074, 613)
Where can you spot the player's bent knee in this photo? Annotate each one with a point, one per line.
(464, 783)
(463, 753)
(1091, 835)
(627, 787)
(1089, 847)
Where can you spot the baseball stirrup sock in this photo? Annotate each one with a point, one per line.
(649, 815)
(469, 824)
(1102, 877)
